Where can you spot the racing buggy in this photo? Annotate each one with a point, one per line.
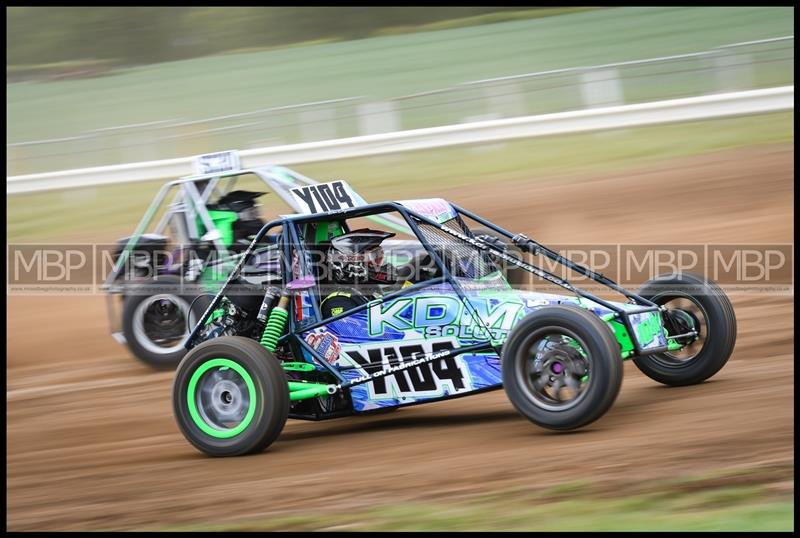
(162, 272)
(188, 241)
(345, 326)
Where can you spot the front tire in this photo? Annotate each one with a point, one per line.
(557, 348)
(699, 302)
(230, 397)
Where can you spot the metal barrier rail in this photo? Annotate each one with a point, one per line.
(674, 110)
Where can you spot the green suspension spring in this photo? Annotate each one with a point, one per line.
(274, 327)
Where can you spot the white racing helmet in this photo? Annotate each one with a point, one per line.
(357, 257)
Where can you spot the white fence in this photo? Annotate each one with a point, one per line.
(693, 108)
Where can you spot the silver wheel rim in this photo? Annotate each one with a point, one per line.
(173, 343)
(685, 303)
(552, 367)
(222, 398)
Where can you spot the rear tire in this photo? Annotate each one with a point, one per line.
(537, 355)
(139, 309)
(718, 333)
(230, 397)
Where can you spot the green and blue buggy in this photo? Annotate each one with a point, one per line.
(343, 326)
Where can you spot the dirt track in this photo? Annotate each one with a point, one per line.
(92, 442)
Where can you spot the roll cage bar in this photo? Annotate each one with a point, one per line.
(188, 197)
(289, 236)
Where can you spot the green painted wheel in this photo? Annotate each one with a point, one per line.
(230, 397)
(221, 398)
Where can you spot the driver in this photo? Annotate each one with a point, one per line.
(247, 222)
(356, 267)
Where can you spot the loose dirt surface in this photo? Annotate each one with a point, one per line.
(92, 443)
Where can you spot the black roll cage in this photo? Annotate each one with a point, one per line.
(289, 236)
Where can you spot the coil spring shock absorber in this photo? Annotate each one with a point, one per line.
(274, 327)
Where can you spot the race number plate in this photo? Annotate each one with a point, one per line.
(213, 163)
(324, 197)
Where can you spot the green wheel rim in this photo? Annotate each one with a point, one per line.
(192, 399)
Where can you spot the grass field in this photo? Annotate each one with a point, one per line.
(734, 509)
(378, 67)
(105, 213)
(732, 501)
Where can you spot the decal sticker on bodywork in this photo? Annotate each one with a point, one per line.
(324, 197)
(648, 328)
(436, 209)
(325, 344)
(436, 319)
(434, 379)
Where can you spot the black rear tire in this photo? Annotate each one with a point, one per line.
(257, 389)
(719, 337)
(139, 302)
(603, 367)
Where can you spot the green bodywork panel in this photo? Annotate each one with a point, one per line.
(324, 231)
(647, 331)
(621, 334)
(223, 220)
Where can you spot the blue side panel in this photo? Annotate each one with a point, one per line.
(402, 329)
(462, 374)
(353, 329)
(428, 321)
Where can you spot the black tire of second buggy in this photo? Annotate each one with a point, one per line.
(158, 361)
(271, 386)
(606, 366)
(721, 326)
(516, 276)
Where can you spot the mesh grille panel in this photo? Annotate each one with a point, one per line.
(462, 259)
